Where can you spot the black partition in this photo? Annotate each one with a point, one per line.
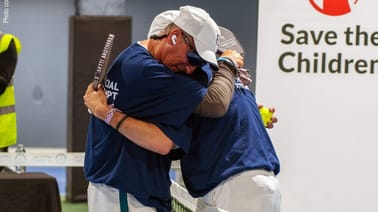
(86, 41)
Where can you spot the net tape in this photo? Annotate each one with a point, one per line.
(182, 201)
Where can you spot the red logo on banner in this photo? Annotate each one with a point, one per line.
(333, 7)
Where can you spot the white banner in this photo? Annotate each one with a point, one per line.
(317, 64)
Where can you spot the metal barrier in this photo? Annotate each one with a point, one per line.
(70, 159)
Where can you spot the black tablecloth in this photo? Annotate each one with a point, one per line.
(29, 192)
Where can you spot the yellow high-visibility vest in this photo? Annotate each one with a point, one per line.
(5, 40)
(8, 125)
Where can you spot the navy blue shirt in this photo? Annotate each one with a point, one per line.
(223, 147)
(143, 88)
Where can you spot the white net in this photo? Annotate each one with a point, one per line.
(182, 201)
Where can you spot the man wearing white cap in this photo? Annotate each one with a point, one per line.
(231, 164)
(157, 81)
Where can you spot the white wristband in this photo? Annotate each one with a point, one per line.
(110, 114)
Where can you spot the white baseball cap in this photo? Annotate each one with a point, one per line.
(205, 32)
(161, 21)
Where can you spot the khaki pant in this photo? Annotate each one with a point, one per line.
(252, 191)
(105, 198)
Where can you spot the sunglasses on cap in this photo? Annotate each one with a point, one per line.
(193, 58)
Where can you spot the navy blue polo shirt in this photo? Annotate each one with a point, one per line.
(223, 147)
(143, 88)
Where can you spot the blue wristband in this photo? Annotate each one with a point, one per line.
(228, 62)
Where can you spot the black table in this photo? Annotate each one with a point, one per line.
(29, 192)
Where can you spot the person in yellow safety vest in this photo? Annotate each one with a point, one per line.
(10, 46)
